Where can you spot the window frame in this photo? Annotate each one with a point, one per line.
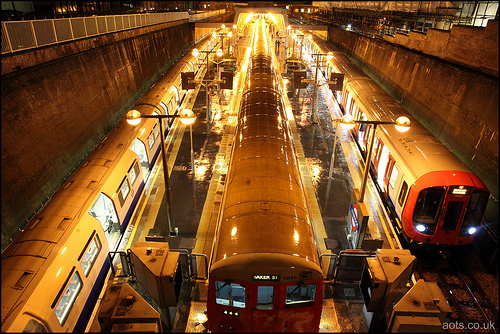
(81, 258)
(230, 300)
(301, 303)
(121, 198)
(133, 170)
(402, 193)
(72, 297)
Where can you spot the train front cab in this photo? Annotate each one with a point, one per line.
(447, 215)
(274, 301)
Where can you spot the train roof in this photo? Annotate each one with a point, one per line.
(418, 148)
(245, 266)
(421, 151)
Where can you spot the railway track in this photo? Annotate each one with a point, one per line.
(473, 310)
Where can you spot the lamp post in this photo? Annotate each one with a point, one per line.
(347, 122)
(223, 33)
(193, 171)
(329, 56)
(301, 43)
(187, 117)
(195, 53)
(288, 28)
(402, 124)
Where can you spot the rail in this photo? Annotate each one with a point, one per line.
(30, 34)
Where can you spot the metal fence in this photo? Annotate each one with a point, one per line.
(23, 35)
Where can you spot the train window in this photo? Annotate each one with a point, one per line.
(171, 105)
(232, 294)
(164, 106)
(123, 191)
(156, 129)
(133, 171)
(34, 326)
(93, 248)
(375, 141)
(361, 129)
(348, 103)
(151, 139)
(394, 176)
(265, 296)
(475, 211)
(428, 205)
(104, 211)
(139, 148)
(300, 295)
(176, 97)
(68, 297)
(402, 193)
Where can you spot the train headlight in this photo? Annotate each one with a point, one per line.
(472, 230)
(420, 228)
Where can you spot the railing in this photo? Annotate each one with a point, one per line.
(23, 35)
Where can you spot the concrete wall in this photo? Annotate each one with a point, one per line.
(458, 104)
(59, 102)
(473, 47)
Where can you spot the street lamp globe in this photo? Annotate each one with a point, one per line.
(347, 122)
(329, 55)
(219, 52)
(187, 116)
(195, 52)
(133, 117)
(402, 124)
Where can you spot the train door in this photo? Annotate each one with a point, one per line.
(356, 115)
(104, 210)
(391, 168)
(453, 210)
(366, 138)
(377, 152)
(348, 103)
(361, 130)
(382, 165)
(265, 313)
(139, 148)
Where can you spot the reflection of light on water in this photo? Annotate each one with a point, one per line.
(315, 170)
(217, 115)
(232, 120)
(200, 317)
(201, 168)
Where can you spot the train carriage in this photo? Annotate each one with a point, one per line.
(265, 273)
(436, 198)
